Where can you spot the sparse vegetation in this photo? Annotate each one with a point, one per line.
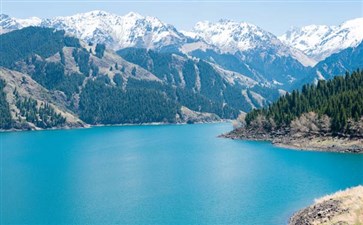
(41, 115)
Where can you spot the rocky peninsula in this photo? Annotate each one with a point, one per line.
(341, 208)
(298, 141)
(307, 132)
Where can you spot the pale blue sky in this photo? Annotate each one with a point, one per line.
(274, 16)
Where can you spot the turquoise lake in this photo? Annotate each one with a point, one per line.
(169, 174)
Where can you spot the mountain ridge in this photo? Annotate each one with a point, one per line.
(135, 30)
(98, 86)
(237, 46)
(315, 41)
(321, 41)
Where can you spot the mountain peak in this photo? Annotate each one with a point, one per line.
(130, 30)
(225, 21)
(321, 41)
(233, 36)
(4, 16)
(133, 15)
(97, 13)
(357, 22)
(8, 23)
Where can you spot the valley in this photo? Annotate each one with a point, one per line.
(245, 92)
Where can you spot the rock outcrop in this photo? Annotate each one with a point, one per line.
(341, 208)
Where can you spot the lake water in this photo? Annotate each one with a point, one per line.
(172, 174)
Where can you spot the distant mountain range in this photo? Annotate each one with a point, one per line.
(215, 42)
(222, 68)
(135, 30)
(321, 41)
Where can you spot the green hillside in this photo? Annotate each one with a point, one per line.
(341, 99)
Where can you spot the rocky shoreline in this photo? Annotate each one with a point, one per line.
(343, 207)
(301, 141)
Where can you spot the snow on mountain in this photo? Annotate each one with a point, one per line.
(307, 37)
(190, 34)
(320, 41)
(231, 37)
(252, 51)
(8, 23)
(130, 30)
(32, 21)
(308, 44)
(135, 30)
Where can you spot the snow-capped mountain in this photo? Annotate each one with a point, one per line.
(252, 51)
(236, 46)
(308, 44)
(8, 23)
(231, 37)
(338, 63)
(135, 30)
(320, 41)
(130, 30)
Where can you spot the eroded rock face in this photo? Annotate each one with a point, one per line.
(345, 207)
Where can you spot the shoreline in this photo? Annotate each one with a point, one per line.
(341, 207)
(318, 149)
(308, 143)
(88, 126)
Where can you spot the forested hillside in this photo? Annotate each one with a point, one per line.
(202, 78)
(20, 44)
(87, 81)
(327, 116)
(102, 104)
(337, 107)
(54, 80)
(5, 116)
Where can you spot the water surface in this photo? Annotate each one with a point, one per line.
(168, 174)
